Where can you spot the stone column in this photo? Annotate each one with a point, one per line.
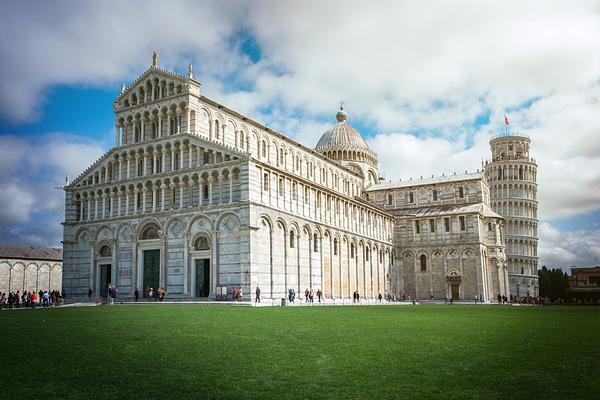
(164, 158)
(181, 158)
(89, 208)
(144, 195)
(103, 205)
(197, 156)
(128, 165)
(178, 122)
(180, 195)
(144, 163)
(210, 189)
(159, 132)
(142, 129)
(186, 266)
(95, 206)
(155, 161)
(230, 187)
(92, 261)
(119, 195)
(162, 194)
(190, 153)
(172, 157)
(135, 200)
(116, 135)
(126, 201)
(154, 199)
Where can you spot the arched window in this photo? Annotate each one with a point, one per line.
(389, 199)
(461, 192)
(263, 149)
(241, 139)
(411, 197)
(216, 129)
(352, 250)
(367, 254)
(281, 155)
(105, 251)
(150, 232)
(292, 239)
(202, 243)
(335, 247)
(435, 195)
(423, 262)
(315, 243)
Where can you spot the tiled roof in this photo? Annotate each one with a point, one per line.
(451, 209)
(31, 253)
(426, 181)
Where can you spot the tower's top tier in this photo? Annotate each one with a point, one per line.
(511, 147)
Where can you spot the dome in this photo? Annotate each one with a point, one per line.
(342, 136)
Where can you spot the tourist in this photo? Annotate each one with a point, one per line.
(289, 294)
(240, 294)
(499, 299)
(90, 291)
(380, 297)
(257, 298)
(158, 294)
(311, 295)
(293, 295)
(306, 295)
(319, 294)
(161, 294)
(234, 294)
(46, 299)
(150, 294)
(136, 294)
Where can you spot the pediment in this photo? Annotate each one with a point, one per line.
(181, 83)
(110, 155)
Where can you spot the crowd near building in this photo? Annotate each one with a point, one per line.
(197, 199)
(30, 269)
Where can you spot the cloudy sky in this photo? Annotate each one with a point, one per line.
(427, 83)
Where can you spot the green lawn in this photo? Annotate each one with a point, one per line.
(194, 351)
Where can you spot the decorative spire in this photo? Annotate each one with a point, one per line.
(123, 88)
(342, 115)
(190, 72)
(155, 59)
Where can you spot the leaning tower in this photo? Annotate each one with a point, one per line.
(512, 179)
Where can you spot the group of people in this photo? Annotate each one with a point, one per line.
(238, 294)
(152, 295)
(29, 298)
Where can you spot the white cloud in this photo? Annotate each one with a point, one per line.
(566, 248)
(16, 204)
(31, 209)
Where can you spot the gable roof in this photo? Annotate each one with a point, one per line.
(159, 71)
(31, 253)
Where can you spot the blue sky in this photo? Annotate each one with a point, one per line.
(427, 84)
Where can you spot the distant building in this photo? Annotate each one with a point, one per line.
(30, 268)
(584, 283)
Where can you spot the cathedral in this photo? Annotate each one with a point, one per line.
(198, 199)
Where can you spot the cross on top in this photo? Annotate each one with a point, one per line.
(342, 105)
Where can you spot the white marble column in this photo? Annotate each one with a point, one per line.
(162, 195)
(181, 194)
(103, 205)
(153, 199)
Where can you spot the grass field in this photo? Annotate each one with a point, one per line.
(193, 351)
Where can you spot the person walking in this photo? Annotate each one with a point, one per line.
(90, 292)
(150, 294)
(234, 294)
(319, 294)
(257, 293)
(136, 294)
(241, 294)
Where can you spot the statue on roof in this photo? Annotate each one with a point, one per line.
(155, 58)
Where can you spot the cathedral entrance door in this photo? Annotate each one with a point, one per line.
(202, 277)
(455, 295)
(151, 270)
(105, 280)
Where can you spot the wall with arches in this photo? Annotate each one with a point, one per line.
(30, 275)
(292, 252)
